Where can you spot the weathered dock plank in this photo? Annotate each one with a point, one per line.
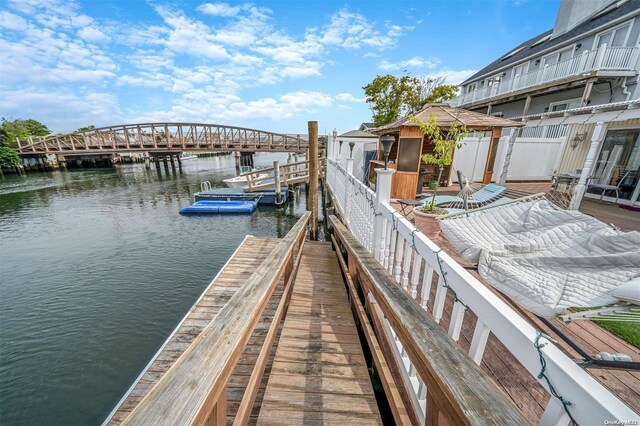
(319, 374)
(247, 258)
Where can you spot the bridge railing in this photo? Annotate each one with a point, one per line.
(163, 136)
(194, 390)
(414, 261)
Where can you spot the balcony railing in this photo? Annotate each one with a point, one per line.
(601, 59)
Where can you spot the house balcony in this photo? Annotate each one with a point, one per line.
(602, 62)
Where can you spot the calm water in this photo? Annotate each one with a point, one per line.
(96, 269)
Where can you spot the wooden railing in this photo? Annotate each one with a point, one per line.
(414, 260)
(163, 137)
(194, 390)
(288, 173)
(456, 389)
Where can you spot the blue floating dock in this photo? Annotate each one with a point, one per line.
(238, 194)
(220, 207)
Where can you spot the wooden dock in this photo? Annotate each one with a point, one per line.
(273, 340)
(244, 261)
(319, 373)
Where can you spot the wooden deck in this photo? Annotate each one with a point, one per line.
(245, 260)
(319, 374)
(512, 377)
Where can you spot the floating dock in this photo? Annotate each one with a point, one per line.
(267, 197)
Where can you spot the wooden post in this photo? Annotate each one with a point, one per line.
(578, 192)
(147, 163)
(312, 158)
(276, 176)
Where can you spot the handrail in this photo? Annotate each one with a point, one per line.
(414, 259)
(193, 391)
(461, 391)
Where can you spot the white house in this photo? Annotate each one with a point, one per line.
(576, 88)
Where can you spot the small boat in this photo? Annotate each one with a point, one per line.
(187, 157)
(220, 207)
(241, 181)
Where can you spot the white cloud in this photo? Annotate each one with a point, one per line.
(410, 64)
(92, 34)
(11, 21)
(353, 30)
(218, 9)
(348, 97)
(454, 76)
(190, 36)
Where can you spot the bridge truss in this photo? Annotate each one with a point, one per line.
(163, 137)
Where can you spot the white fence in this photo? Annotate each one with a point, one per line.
(602, 59)
(532, 158)
(413, 259)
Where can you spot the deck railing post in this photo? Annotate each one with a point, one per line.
(347, 189)
(383, 195)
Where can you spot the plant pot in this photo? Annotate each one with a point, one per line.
(433, 184)
(427, 223)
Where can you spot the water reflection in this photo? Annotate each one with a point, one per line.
(97, 269)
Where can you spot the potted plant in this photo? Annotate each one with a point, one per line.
(446, 141)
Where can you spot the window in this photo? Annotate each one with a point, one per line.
(558, 56)
(615, 37)
(564, 105)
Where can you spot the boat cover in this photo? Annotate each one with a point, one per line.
(546, 259)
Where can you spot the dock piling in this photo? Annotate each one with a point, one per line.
(312, 158)
(276, 176)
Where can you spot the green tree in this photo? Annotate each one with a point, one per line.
(82, 129)
(9, 157)
(441, 93)
(22, 129)
(445, 141)
(392, 97)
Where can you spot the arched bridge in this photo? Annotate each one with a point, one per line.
(163, 137)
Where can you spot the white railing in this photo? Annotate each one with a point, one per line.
(602, 59)
(552, 131)
(414, 260)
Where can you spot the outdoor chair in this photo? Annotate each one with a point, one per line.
(603, 187)
(481, 197)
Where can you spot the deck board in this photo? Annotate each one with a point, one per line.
(246, 259)
(319, 374)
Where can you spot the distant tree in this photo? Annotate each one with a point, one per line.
(9, 157)
(22, 129)
(82, 129)
(392, 97)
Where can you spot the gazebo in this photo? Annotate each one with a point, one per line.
(411, 144)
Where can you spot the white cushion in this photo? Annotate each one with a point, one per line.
(629, 291)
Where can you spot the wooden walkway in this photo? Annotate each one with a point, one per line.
(319, 374)
(246, 259)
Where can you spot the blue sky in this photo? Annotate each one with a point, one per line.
(270, 65)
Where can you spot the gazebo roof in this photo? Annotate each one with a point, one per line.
(446, 115)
